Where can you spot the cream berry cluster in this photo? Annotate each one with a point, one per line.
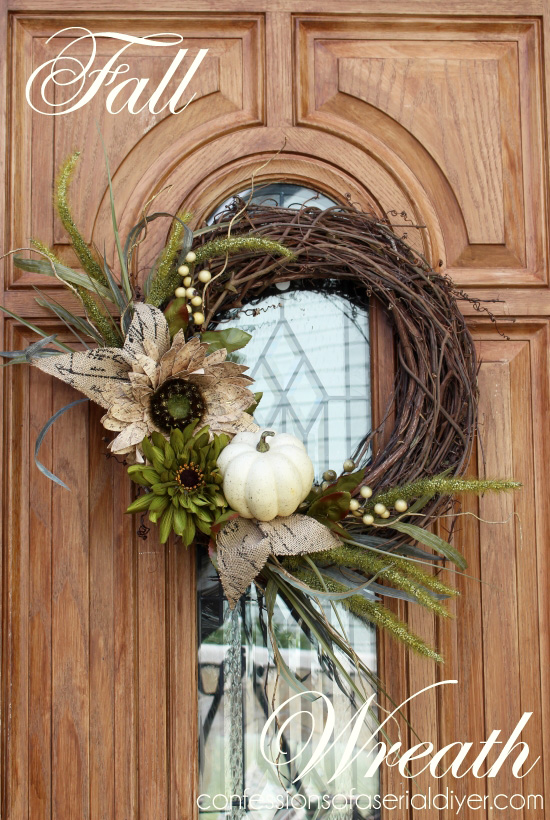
(188, 288)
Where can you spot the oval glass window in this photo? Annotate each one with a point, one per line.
(309, 355)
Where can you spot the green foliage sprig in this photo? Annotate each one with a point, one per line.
(166, 277)
(235, 244)
(441, 485)
(90, 265)
(371, 611)
(373, 556)
(401, 573)
(100, 319)
(42, 248)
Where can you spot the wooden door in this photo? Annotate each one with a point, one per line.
(431, 108)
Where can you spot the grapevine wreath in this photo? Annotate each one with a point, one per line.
(155, 353)
(435, 399)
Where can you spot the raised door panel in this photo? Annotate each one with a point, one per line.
(459, 102)
(497, 648)
(511, 558)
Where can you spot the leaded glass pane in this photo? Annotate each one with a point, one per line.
(309, 355)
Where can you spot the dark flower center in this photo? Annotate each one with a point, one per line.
(190, 476)
(175, 404)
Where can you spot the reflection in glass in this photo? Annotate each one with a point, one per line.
(238, 690)
(282, 195)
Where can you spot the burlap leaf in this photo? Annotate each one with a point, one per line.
(245, 544)
(101, 372)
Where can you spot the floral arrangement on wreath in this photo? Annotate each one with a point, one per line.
(182, 417)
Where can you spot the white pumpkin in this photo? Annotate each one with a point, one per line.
(263, 479)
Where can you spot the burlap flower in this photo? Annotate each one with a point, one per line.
(151, 385)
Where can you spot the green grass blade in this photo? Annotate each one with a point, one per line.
(36, 329)
(50, 306)
(429, 539)
(44, 470)
(125, 279)
(63, 272)
(291, 679)
(118, 296)
(75, 322)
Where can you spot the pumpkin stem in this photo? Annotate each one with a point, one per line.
(262, 446)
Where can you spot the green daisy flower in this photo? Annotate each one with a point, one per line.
(184, 484)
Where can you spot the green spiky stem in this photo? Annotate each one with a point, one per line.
(399, 572)
(167, 278)
(92, 268)
(47, 251)
(96, 316)
(99, 319)
(372, 612)
(441, 485)
(256, 244)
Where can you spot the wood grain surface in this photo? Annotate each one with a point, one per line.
(421, 106)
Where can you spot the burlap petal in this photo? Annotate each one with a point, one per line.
(141, 394)
(149, 367)
(112, 424)
(151, 349)
(245, 544)
(139, 379)
(96, 373)
(198, 361)
(126, 412)
(240, 381)
(201, 380)
(217, 357)
(225, 369)
(225, 400)
(178, 359)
